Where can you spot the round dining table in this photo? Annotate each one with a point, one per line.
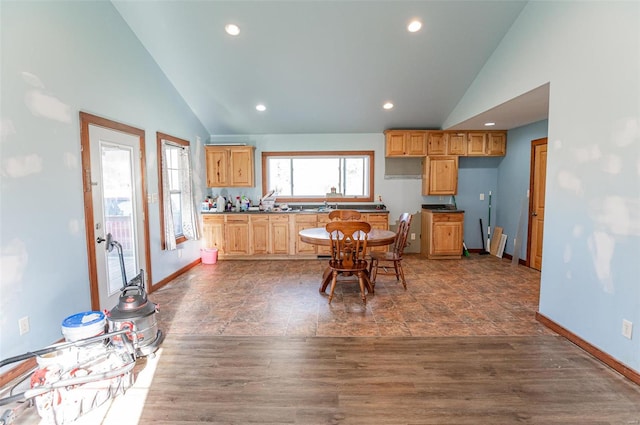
(319, 236)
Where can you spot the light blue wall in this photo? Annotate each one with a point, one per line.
(59, 58)
(476, 176)
(513, 184)
(590, 54)
(399, 195)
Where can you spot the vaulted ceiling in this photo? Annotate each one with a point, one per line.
(327, 66)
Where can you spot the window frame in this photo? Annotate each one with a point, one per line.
(178, 142)
(324, 154)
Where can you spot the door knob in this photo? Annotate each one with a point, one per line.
(534, 214)
(100, 239)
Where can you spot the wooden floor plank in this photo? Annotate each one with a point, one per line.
(460, 346)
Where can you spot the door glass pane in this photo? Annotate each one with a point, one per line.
(120, 212)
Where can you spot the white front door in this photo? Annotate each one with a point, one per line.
(118, 212)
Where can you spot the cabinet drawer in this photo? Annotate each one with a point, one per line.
(279, 218)
(447, 218)
(306, 218)
(236, 218)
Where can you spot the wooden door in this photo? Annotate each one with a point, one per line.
(116, 212)
(536, 202)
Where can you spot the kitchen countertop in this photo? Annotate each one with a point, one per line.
(441, 208)
(307, 209)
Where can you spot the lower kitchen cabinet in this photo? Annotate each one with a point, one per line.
(442, 234)
(213, 231)
(237, 234)
(377, 221)
(304, 221)
(279, 234)
(259, 234)
(272, 234)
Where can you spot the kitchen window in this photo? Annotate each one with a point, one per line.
(177, 211)
(319, 176)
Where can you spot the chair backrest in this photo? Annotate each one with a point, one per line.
(404, 223)
(348, 242)
(345, 215)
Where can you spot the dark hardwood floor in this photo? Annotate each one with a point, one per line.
(254, 342)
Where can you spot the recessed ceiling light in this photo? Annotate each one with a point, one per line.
(388, 105)
(489, 124)
(414, 26)
(232, 29)
(260, 107)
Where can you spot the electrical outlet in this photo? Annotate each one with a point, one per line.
(482, 196)
(413, 236)
(23, 325)
(179, 253)
(627, 328)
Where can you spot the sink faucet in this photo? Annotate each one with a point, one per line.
(326, 205)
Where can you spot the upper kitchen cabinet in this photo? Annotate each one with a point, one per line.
(476, 143)
(405, 143)
(230, 166)
(493, 143)
(457, 144)
(440, 175)
(497, 143)
(437, 142)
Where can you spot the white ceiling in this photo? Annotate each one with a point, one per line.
(328, 66)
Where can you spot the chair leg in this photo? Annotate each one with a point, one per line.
(404, 282)
(395, 268)
(334, 279)
(373, 271)
(361, 282)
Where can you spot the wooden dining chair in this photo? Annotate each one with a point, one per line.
(345, 215)
(348, 252)
(393, 257)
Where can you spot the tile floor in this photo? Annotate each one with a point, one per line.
(477, 295)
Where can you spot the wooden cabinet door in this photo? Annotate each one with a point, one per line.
(497, 144)
(259, 234)
(436, 143)
(377, 221)
(457, 144)
(241, 166)
(304, 221)
(446, 235)
(217, 166)
(323, 219)
(440, 175)
(394, 143)
(279, 229)
(213, 231)
(415, 143)
(237, 233)
(476, 144)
